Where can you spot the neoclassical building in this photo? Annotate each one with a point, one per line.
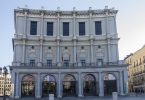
(66, 53)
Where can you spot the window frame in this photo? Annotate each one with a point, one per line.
(82, 30)
(66, 29)
(98, 27)
(33, 27)
(49, 28)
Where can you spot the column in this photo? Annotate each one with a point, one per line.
(109, 50)
(80, 93)
(101, 84)
(91, 35)
(74, 37)
(41, 39)
(92, 52)
(58, 37)
(59, 89)
(17, 86)
(125, 81)
(38, 95)
(121, 83)
(58, 52)
(23, 52)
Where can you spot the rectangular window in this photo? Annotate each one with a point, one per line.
(98, 28)
(65, 28)
(49, 63)
(33, 28)
(66, 63)
(32, 62)
(83, 63)
(50, 28)
(99, 62)
(81, 28)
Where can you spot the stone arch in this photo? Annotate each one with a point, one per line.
(69, 85)
(89, 85)
(28, 86)
(110, 83)
(48, 85)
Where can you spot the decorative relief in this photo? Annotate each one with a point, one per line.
(32, 52)
(99, 52)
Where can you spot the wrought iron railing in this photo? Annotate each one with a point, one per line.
(70, 65)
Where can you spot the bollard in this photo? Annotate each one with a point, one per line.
(51, 96)
(114, 95)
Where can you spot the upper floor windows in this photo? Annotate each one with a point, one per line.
(33, 28)
(32, 62)
(50, 28)
(65, 28)
(98, 28)
(81, 28)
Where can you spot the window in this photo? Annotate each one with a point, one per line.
(33, 28)
(49, 48)
(81, 28)
(66, 63)
(32, 62)
(83, 63)
(65, 28)
(98, 28)
(50, 28)
(99, 62)
(49, 63)
(65, 47)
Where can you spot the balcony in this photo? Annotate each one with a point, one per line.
(69, 65)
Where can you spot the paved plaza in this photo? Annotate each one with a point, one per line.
(132, 97)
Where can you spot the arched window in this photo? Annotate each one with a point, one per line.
(69, 85)
(28, 86)
(48, 85)
(89, 85)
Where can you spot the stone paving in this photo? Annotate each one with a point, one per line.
(132, 97)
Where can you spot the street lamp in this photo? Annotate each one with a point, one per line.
(5, 72)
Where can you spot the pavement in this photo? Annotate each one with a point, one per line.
(129, 97)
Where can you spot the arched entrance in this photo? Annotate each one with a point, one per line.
(48, 85)
(110, 84)
(28, 86)
(89, 85)
(69, 86)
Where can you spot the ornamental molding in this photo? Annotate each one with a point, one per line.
(37, 12)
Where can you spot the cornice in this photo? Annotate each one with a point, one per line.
(38, 12)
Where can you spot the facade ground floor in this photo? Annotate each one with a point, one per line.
(63, 82)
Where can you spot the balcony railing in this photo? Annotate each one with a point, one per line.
(70, 65)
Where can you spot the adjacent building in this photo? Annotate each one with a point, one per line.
(5, 85)
(67, 53)
(136, 71)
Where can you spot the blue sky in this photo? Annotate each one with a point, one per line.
(130, 21)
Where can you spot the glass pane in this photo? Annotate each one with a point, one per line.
(33, 28)
(65, 28)
(81, 28)
(98, 28)
(50, 28)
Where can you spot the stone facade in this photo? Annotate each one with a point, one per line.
(90, 54)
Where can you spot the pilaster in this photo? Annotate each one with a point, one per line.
(101, 84)
(121, 83)
(80, 90)
(59, 89)
(17, 86)
(38, 90)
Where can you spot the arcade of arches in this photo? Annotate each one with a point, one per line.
(70, 85)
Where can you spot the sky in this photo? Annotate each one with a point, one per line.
(130, 21)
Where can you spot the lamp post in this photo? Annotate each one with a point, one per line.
(5, 72)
